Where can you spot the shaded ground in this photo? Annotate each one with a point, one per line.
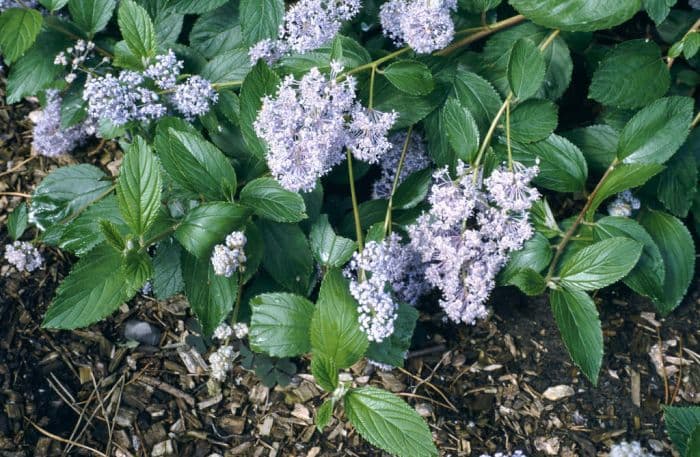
(480, 388)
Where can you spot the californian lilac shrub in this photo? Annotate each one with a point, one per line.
(23, 256)
(424, 25)
(49, 139)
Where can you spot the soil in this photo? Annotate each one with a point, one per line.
(482, 389)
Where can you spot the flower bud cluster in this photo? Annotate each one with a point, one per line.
(469, 232)
(307, 25)
(49, 139)
(309, 121)
(625, 449)
(416, 158)
(23, 256)
(624, 204)
(230, 257)
(75, 56)
(424, 25)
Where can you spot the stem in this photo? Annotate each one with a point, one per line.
(355, 207)
(226, 84)
(371, 87)
(160, 236)
(510, 150)
(374, 64)
(693, 28)
(579, 219)
(387, 218)
(237, 306)
(73, 36)
(483, 33)
(548, 40)
(491, 130)
(696, 121)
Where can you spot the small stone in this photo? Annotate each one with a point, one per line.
(558, 392)
(163, 449)
(550, 446)
(266, 426)
(424, 409)
(141, 331)
(232, 425)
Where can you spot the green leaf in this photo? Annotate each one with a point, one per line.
(598, 143)
(678, 251)
(580, 327)
(335, 329)
(410, 76)
(53, 5)
(324, 414)
(413, 190)
(111, 234)
(139, 187)
(208, 224)
(137, 29)
(691, 44)
(20, 27)
(211, 297)
(658, 9)
(479, 6)
(91, 15)
(168, 26)
(535, 254)
(562, 165)
(261, 19)
(325, 372)
(600, 264)
(656, 132)
(93, 290)
(533, 120)
(65, 193)
(624, 176)
(217, 32)
(83, 233)
(232, 65)
(478, 96)
(577, 15)
(17, 221)
(543, 219)
(280, 324)
(681, 422)
(647, 277)
(529, 281)
(328, 248)
(678, 183)
(386, 421)
(196, 6)
(268, 199)
(259, 82)
(167, 270)
(138, 268)
(526, 69)
(461, 129)
(693, 448)
(392, 351)
(411, 108)
(632, 75)
(287, 256)
(196, 164)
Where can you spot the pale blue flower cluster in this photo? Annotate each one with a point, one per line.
(308, 25)
(624, 204)
(424, 25)
(7, 4)
(309, 122)
(165, 70)
(502, 454)
(469, 232)
(49, 139)
(23, 256)
(416, 158)
(230, 257)
(625, 449)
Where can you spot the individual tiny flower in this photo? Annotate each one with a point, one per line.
(240, 329)
(424, 25)
(220, 362)
(415, 159)
(49, 139)
(223, 331)
(367, 133)
(165, 70)
(194, 97)
(625, 449)
(230, 257)
(23, 256)
(624, 204)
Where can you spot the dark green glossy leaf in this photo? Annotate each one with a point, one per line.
(17, 221)
(410, 76)
(20, 27)
(392, 351)
(208, 224)
(526, 69)
(266, 198)
(287, 258)
(577, 15)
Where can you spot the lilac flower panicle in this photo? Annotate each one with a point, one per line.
(165, 70)
(49, 139)
(510, 189)
(23, 256)
(424, 25)
(367, 133)
(7, 4)
(194, 97)
(416, 158)
(624, 204)
(122, 99)
(268, 50)
(230, 257)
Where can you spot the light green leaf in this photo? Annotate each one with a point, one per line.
(139, 187)
(196, 6)
(217, 32)
(208, 224)
(529, 281)
(393, 350)
(53, 5)
(324, 414)
(167, 270)
(533, 120)
(83, 233)
(20, 27)
(137, 29)
(335, 329)
(91, 15)
(325, 372)
(93, 290)
(461, 129)
(600, 264)
(535, 254)
(656, 132)
(287, 257)
(17, 221)
(232, 65)
(678, 183)
(386, 421)
(691, 44)
(328, 248)
(479, 6)
(211, 297)
(647, 277)
(658, 9)
(268, 199)
(624, 176)
(577, 15)
(280, 324)
(526, 69)
(632, 75)
(138, 268)
(678, 250)
(259, 82)
(260, 19)
(112, 235)
(410, 76)
(681, 422)
(580, 327)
